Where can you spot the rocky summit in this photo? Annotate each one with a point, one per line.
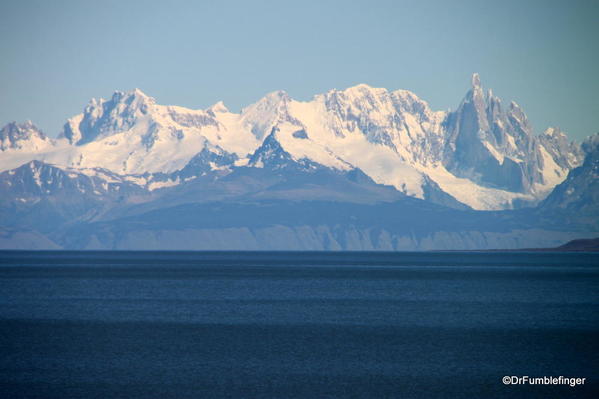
(360, 168)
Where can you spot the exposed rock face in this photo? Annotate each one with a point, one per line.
(36, 179)
(483, 155)
(101, 118)
(23, 137)
(360, 168)
(496, 147)
(319, 225)
(44, 198)
(578, 195)
(323, 238)
(566, 153)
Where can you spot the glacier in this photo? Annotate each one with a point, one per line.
(129, 163)
(484, 155)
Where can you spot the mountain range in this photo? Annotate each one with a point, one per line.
(361, 168)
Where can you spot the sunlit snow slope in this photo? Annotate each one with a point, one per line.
(484, 154)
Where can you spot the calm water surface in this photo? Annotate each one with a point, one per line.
(287, 325)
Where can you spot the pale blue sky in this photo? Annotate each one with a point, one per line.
(56, 55)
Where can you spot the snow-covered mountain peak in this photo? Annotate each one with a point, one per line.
(555, 132)
(515, 108)
(131, 134)
(475, 80)
(134, 100)
(591, 143)
(407, 95)
(19, 129)
(270, 153)
(102, 118)
(357, 92)
(481, 133)
(138, 92)
(360, 100)
(218, 108)
(23, 137)
(476, 95)
(284, 150)
(362, 89)
(28, 125)
(519, 119)
(270, 101)
(122, 103)
(483, 154)
(359, 86)
(266, 113)
(134, 97)
(580, 191)
(278, 94)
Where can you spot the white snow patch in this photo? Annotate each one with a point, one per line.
(161, 184)
(471, 194)
(496, 154)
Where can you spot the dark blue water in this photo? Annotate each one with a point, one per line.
(296, 325)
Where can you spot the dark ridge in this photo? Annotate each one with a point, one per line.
(579, 245)
(587, 245)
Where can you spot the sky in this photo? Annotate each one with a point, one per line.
(56, 56)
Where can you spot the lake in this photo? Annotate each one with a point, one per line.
(296, 324)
